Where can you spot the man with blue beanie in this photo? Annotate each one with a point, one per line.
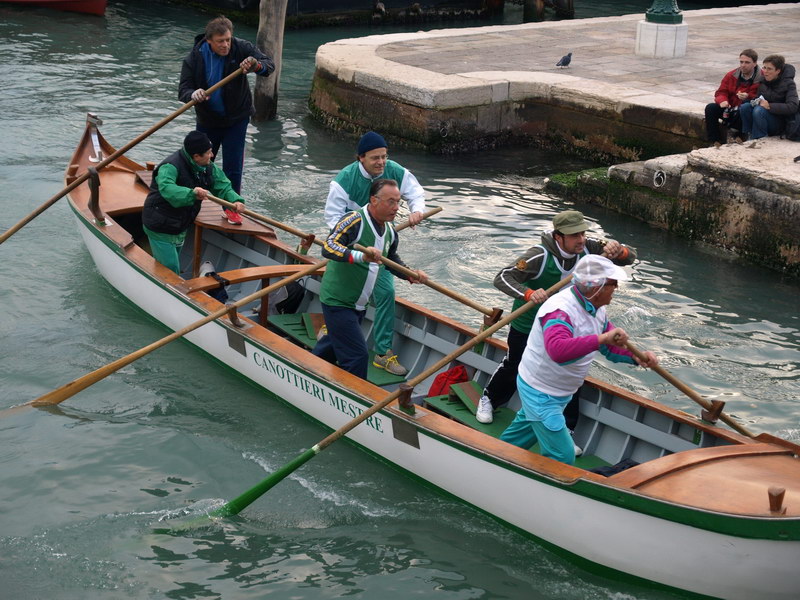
(349, 191)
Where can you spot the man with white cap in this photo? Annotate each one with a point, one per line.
(568, 331)
(539, 268)
(350, 191)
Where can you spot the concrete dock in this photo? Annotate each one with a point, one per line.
(470, 89)
(460, 89)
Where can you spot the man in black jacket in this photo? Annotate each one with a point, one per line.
(180, 184)
(223, 115)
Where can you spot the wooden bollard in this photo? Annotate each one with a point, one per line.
(712, 416)
(234, 316)
(404, 399)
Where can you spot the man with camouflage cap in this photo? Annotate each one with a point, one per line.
(539, 268)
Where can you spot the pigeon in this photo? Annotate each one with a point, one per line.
(565, 60)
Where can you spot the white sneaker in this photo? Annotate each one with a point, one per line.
(578, 449)
(485, 410)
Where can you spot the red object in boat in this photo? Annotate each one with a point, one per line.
(92, 7)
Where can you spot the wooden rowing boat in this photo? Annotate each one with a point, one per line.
(706, 510)
(91, 7)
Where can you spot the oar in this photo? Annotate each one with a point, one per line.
(297, 232)
(689, 391)
(103, 163)
(73, 387)
(433, 285)
(238, 504)
(70, 389)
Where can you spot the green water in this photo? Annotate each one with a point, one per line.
(83, 485)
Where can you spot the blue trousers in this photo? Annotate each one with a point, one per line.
(553, 444)
(554, 441)
(758, 122)
(345, 342)
(232, 141)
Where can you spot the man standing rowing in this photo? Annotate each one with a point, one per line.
(568, 331)
(349, 191)
(351, 275)
(539, 268)
(223, 115)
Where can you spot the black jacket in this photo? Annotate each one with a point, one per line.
(236, 95)
(781, 93)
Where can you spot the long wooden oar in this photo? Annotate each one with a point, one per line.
(238, 504)
(104, 163)
(298, 232)
(73, 387)
(433, 285)
(689, 391)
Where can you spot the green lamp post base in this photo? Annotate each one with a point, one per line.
(664, 11)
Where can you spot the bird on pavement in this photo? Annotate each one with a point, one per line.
(565, 60)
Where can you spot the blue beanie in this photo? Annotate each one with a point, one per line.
(370, 141)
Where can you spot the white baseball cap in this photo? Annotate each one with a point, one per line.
(593, 270)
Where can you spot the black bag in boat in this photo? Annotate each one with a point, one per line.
(614, 469)
(219, 293)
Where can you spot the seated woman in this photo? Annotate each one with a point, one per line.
(775, 100)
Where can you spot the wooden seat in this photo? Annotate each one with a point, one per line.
(201, 284)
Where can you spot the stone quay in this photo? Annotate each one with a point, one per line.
(472, 89)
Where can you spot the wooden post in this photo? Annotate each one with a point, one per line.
(564, 8)
(712, 415)
(404, 399)
(532, 10)
(776, 495)
(271, 19)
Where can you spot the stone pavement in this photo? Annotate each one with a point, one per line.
(469, 89)
(495, 82)
(603, 49)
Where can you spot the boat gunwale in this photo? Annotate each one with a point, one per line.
(517, 460)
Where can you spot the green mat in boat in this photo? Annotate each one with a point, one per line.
(295, 326)
(303, 327)
(461, 404)
(455, 408)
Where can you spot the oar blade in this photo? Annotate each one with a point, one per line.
(237, 505)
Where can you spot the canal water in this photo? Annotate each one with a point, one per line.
(83, 485)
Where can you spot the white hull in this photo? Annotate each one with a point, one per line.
(631, 542)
